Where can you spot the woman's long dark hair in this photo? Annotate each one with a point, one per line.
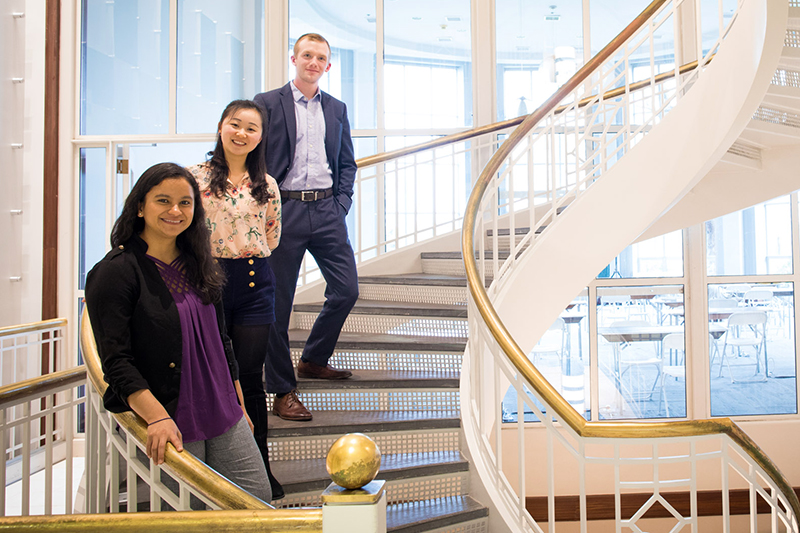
(255, 162)
(194, 242)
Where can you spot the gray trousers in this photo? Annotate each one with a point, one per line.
(235, 455)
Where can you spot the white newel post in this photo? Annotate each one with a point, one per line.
(354, 511)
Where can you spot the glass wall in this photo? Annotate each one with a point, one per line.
(350, 28)
(660, 257)
(641, 352)
(124, 67)
(753, 360)
(539, 47)
(424, 67)
(220, 58)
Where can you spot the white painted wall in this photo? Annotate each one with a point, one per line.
(22, 122)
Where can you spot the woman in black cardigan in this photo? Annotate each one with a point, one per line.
(154, 303)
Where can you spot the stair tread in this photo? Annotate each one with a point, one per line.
(385, 341)
(384, 379)
(386, 307)
(341, 422)
(416, 278)
(416, 517)
(311, 474)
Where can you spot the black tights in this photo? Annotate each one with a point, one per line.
(250, 347)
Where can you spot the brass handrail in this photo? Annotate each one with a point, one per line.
(39, 386)
(272, 521)
(33, 327)
(564, 411)
(192, 471)
(505, 124)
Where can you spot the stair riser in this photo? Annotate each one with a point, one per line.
(503, 244)
(393, 442)
(453, 328)
(393, 400)
(450, 267)
(473, 526)
(414, 293)
(446, 363)
(399, 491)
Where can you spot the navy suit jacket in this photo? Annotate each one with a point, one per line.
(282, 139)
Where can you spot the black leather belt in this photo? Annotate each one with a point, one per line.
(307, 196)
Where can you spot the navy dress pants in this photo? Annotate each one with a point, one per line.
(320, 228)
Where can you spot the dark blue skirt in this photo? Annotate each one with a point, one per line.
(249, 294)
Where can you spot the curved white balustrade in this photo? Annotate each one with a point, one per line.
(595, 173)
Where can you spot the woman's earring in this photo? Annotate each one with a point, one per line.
(141, 214)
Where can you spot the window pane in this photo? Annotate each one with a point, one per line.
(362, 220)
(92, 239)
(125, 67)
(539, 47)
(349, 26)
(753, 241)
(220, 48)
(659, 257)
(641, 352)
(562, 356)
(713, 19)
(609, 17)
(753, 361)
(143, 156)
(428, 64)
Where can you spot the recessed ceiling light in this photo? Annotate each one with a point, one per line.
(453, 19)
(416, 18)
(445, 39)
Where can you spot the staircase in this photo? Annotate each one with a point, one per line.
(403, 341)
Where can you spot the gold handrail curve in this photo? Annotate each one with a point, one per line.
(564, 411)
(37, 386)
(256, 521)
(505, 124)
(33, 327)
(186, 466)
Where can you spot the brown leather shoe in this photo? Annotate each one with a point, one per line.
(314, 371)
(289, 407)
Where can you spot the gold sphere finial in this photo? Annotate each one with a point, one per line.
(353, 460)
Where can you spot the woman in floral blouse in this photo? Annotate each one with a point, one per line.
(243, 213)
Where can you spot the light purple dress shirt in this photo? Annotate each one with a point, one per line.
(310, 170)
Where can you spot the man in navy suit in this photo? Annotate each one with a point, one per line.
(310, 155)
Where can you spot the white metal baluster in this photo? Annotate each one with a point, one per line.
(582, 484)
(3, 439)
(26, 458)
(90, 465)
(726, 503)
(69, 435)
(617, 489)
(49, 414)
(551, 478)
(693, 485)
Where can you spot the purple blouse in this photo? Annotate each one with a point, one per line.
(207, 403)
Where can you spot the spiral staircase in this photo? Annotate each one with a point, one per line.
(411, 333)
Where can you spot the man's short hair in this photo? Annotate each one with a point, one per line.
(311, 37)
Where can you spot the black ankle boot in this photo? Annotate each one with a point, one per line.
(257, 411)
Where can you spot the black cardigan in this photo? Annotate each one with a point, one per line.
(137, 328)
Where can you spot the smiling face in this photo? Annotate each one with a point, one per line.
(312, 60)
(240, 132)
(167, 209)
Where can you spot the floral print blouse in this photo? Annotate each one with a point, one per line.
(239, 226)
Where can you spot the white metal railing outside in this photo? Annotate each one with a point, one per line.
(38, 423)
(554, 162)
